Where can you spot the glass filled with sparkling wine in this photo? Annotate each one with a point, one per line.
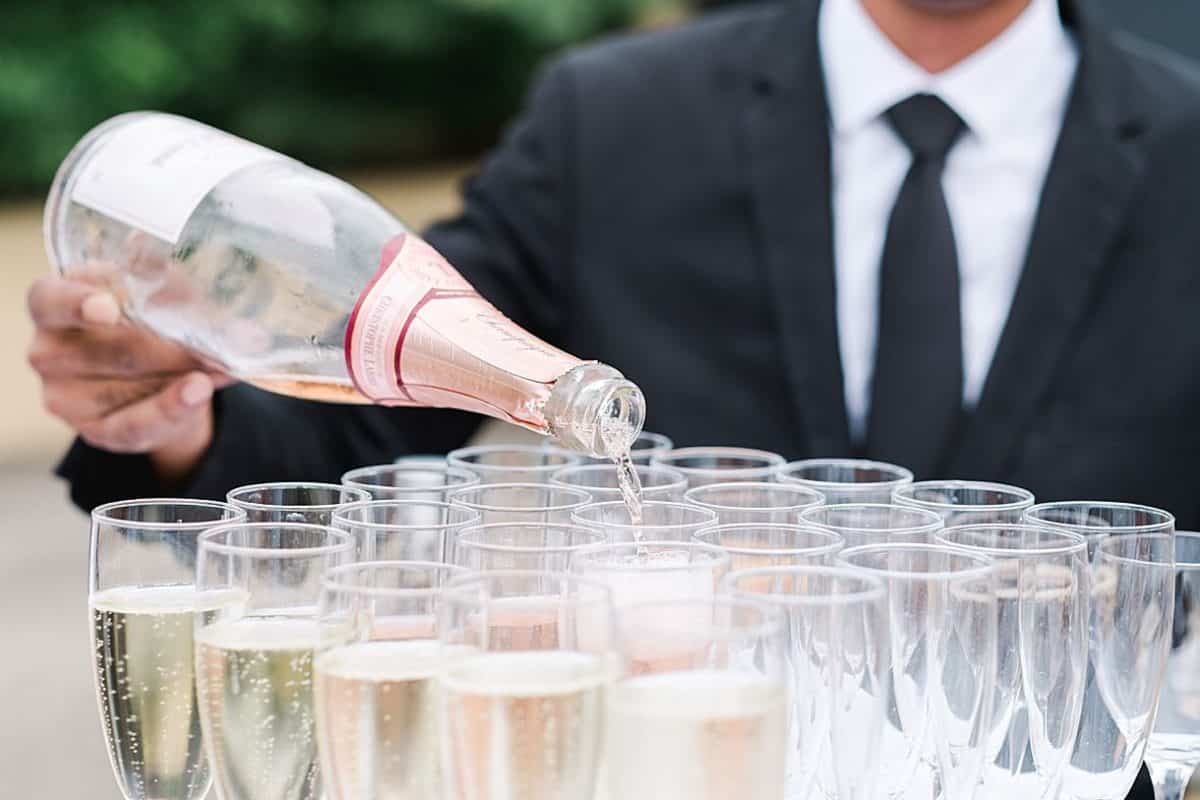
(142, 600)
(523, 683)
(254, 660)
(376, 680)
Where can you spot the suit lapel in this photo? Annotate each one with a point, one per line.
(787, 145)
(1088, 190)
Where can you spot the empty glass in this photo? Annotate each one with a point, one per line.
(311, 503)
(644, 447)
(705, 465)
(1173, 751)
(1108, 750)
(375, 680)
(661, 521)
(846, 480)
(703, 713)
(837, 656)
(862, 524)
(942, 611)
(142, 600)
(409, 480)
(512, 463)
(522, 545)
(530, 655)
(755, 502)
(520, 502)
(1043, 612)
(966, 502)
(403, 530)
(254, 658)
(600, 481)
(752, 545)
(653, 571)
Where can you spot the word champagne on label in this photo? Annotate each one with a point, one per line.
(292, 280)
(704, 734)
(523, 726)
(255, 686)
(145, 686)
(377, 720)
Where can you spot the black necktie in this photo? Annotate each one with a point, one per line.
(916, 393)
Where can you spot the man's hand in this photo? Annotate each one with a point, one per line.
(120, 387)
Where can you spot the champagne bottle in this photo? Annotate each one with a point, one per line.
(294, 281)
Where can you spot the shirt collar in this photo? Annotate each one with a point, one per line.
(993, 89)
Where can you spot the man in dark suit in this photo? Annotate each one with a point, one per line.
(953, 233)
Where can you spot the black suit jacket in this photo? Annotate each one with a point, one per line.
(663, 205)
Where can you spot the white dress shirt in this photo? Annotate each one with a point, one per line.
(1012, 94)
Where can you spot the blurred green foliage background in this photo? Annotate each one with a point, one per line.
(332, 82)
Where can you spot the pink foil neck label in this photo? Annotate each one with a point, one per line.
(422, 336)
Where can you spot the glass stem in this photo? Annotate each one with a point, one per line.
(1170, 779)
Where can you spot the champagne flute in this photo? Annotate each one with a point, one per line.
(522, 545)
(409, 480)
(869, 523)
(966, 502)
(1106, 759)
(846, 480)
(312, 503)
(942, 666)
(513, 463)
(375, 680)
(752, 545)
(837, 648)
(254, 661)
(520, 502)
(749, 501)
(1173, 751)
(142, 599)
(705, 465)
(602, 483)
(1043, 614)
(531, 654)
(660, 521)
(711, 720)
(403, 530)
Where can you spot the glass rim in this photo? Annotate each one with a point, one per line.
(933, 521)
(903, 474)
(1077, 541)
(101, 514)
(718, 556)
(774, 486)
(904, 491)
(339, 515)
(350, 477)
(834, 546)
(678, 478)
(985, 565)
(455, 590)
(330, 582)
(772, 623)
(876, 593)
(467, 531)
(259, 487)
(1186, 566)
(460, 456)
(1126, 538)
(660, 442)
(666, 526)
(1165, 518)
(452, 497)
(342, 541)
(771, 461)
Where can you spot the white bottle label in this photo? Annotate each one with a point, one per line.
(153, 172)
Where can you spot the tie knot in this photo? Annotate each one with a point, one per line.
(927, 125)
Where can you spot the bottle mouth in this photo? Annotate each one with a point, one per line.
(622, 414)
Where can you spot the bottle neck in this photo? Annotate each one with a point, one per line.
(595, 410)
